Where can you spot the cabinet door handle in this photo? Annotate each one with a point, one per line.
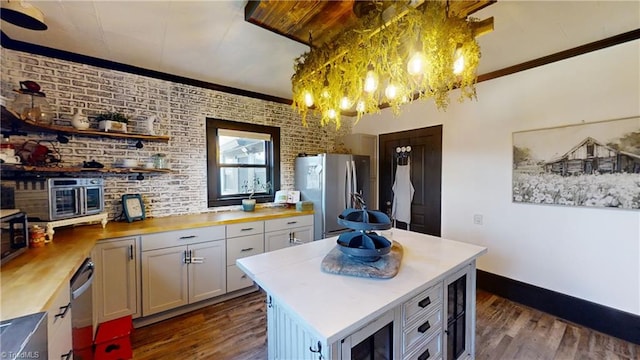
(244, 276)
(66, 356)
(63, 311)
(130, 252)
(424, 327)
(291, 222)
(187, 258)
(246, 249)
(424, 356)
(187, 237)
(246, 229)
(425, 302)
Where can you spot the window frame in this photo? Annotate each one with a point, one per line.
(214, 197)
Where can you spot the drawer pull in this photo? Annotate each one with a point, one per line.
(243, 276)
(246, 249)
(291, 222)
(187, 237)
(66, 356)
(425, 302)
(424, 356)
(246, 229)
(63, 311)
(112, 347)
(424, 327)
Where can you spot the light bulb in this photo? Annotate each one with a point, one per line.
(325, 93)
(371, 81)
(308, 99)
(345, 103)
(458, 63)
(360, 106)
(331, 114)
(391, 91)
(416, 63)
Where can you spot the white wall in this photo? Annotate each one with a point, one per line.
(593, 254)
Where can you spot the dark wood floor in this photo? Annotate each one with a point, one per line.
(236, 329)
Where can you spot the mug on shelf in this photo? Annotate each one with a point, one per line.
(9, 159)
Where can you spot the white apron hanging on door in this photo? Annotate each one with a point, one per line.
(402, 193)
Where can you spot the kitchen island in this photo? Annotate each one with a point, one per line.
(429, 306)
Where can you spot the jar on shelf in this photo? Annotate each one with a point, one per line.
(7, 148)
(160, 161)
(31, 104)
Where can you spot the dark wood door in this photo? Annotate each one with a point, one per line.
(426, 175)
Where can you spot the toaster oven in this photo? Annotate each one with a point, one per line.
(59, 198)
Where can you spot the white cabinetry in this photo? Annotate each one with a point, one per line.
(282, 329)
(244, 239)
(117, 281)
(182, 267)
(291, 231)
(365, 144)
(59, 340)
(460, 319)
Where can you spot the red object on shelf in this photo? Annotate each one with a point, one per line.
(112, 340)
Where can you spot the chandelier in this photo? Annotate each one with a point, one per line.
(420, 52)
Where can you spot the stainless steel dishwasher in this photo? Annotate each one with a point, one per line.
(82, 311)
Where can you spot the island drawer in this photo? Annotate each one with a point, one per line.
(421, 304)
(424, 328)
(288, 223)
(245, 228)
(432, 350)
(244, 246)
(181, 237)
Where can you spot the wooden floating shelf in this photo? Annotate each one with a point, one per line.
(11, 118)
(63, 169)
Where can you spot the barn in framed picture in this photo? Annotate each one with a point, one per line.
(591, 156)
(591, 164)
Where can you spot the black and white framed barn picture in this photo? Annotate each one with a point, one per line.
(591, 164)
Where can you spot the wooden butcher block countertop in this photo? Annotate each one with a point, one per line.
(30, 281)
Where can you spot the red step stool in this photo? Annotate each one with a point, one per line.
(112, 340)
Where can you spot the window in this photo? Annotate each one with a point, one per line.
(239, 156)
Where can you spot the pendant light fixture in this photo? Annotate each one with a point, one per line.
(22, 14)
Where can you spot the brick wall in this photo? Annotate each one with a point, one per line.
(181, 111)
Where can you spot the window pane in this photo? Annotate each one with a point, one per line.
(239, 149)
(235, 181)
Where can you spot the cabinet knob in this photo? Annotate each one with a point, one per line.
(66, 356)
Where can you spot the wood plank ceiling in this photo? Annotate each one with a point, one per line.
(323, 19)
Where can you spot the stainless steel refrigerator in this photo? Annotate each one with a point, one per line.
(329, 180)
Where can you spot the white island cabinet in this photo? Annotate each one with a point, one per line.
(427, 311)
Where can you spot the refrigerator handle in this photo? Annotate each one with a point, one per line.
(354, 178)
(347, 187)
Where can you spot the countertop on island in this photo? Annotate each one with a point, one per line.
(333, 306)
(30, 281)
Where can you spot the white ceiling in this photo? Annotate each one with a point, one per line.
(210, 40)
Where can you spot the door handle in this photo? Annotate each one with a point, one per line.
(130, 252)
(195, 260)
(187, 258)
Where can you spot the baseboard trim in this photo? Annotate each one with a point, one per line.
(152, 319)
(598, 317)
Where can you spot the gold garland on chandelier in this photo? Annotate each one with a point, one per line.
(422, 54)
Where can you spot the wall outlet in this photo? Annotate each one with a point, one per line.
(477, 219)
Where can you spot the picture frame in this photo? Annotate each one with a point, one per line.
(593, 164)
(133, 207)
